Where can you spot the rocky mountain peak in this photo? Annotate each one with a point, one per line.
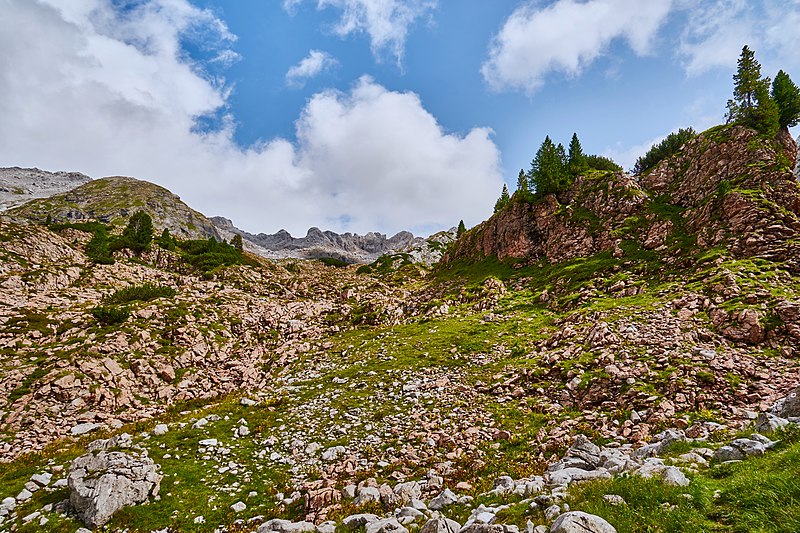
(20, 185)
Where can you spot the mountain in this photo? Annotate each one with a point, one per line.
(348, 247)
(113, 200)
(620, 357)
(20, 185)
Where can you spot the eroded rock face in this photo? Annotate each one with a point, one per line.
(103, 483)
(728, 186)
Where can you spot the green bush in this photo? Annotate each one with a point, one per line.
(98, 249)
(142, 293)
(208, 254)
(333, 261)
(110, 315)
(666, 148)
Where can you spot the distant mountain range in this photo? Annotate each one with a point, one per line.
(35, 194)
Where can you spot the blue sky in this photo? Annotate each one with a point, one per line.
(363, 115)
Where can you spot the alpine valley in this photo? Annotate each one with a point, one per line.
(622, 354)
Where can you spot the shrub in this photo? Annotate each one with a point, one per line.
(208, 254)
(109, 315)
(143, 293)
(599, 162)
(333, 261)
(666, 148)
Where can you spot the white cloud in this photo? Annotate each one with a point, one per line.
(716, 31)
(567, 36)
(315, 63)
(115, 95)
(387, 22)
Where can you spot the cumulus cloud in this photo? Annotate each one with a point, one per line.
(716, 31)
(312, 65)
(112, 93)
(567, 36)
(387, 22)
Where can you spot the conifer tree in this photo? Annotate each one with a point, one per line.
(503, 200)
(752, 105)
(461, 229)
(787, 97)
(237, 243)
(522, 182)
(138, 234)
(549, 172)
(576, 159)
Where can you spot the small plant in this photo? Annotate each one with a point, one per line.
(143, 293)
(110, 315)
(332, 261)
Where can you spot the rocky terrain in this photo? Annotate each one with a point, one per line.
(20, 185)
(632, 366)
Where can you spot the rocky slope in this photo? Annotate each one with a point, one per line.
(728, 187)
(20, 185)
(112, 200)
(477, 396)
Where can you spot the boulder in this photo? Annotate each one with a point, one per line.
(385, 525)
(580, 522)
(440, 525)
(286, 526)
(100, 484)
(768, 423)
(443, 500)
(788, 406)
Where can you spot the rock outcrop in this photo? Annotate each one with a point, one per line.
(728, 186)
(100, 484)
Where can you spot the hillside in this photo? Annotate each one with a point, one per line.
(630, 349)
(112, 200)
(20, 185)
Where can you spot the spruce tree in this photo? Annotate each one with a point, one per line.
(576, 159)
(787, 97)
(752, 105)
(237, 243)
(549, 172)
(138, 234)
(503, 200)
(522, 182)
(461, 229)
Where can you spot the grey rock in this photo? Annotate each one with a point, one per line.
(580, 522)
(286, 526)
(333, 453)
(100, 484)
(503, 485)
(160, 429)
(728, 453)
(358, 520)
(326, 527)
(367, 495)
(42, 480)
(82, 429)
(349, 492)
(445, 499)
(410, 511)
(408, 491)
(238, 507)
(7, 505)
(571, 475)
(749, 447)
(440, 525)
(123, 440)
(584, 449)
(655, 468)
(768, 423)
(385, 525)
(614, 499)
(789, 406)
(24, 495)
(552, 512)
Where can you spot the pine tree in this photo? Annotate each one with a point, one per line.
(138, 234)
(787, 97)
(237, 243)
(522, 182)
(576, 159)
(549, 172)
(461, 229)
(752, 105)
(503, 200)
(165, 240)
